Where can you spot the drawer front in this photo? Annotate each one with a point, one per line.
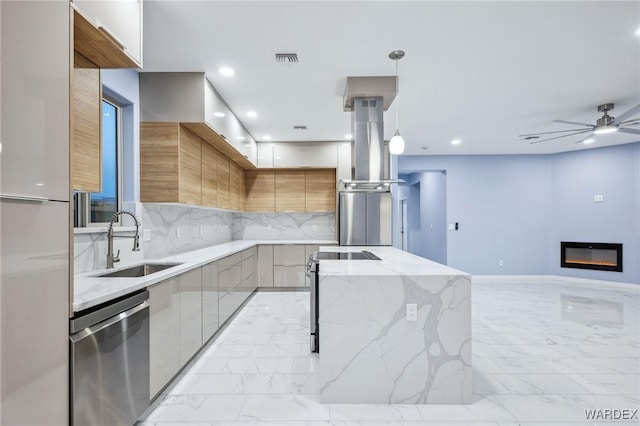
(248, 267)
(229, 278)
(289, 255)
(289, 276)
(250, 252)
(229, 261)
(265, 266)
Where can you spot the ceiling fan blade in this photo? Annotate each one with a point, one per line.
(629, 113)
(573, 122)
(628, 130)
(631, 122)
(586, 137)
(558, 137)
(548, 133)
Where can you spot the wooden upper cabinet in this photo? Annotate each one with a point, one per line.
(170, 164)
(209, 175)
(320, 190)
(243, 190)
(223, 183)
(109, 33)
(190, 168)
(86, 134)
(234, 186)
(290, 190)
(260, 190)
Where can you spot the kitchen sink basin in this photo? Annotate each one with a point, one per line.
(140, 270)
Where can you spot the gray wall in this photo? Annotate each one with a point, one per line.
(518, 208)
(433, 215)
(577, 177)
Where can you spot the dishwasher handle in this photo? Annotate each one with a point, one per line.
(90, 331)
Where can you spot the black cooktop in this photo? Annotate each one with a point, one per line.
(356, 255)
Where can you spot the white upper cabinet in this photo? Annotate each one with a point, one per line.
(121, 19)
(188, 97)
(288, 154)
(36, 57)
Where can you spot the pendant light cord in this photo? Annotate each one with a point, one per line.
(397, 99)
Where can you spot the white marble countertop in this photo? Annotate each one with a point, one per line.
(90, 290)
(394, 262)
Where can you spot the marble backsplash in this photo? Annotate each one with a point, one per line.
(198, 227)
(284, 226)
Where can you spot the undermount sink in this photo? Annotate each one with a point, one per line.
(140, 270)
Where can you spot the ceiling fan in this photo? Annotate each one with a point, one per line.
(605, 124)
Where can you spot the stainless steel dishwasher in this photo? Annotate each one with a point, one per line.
(110, 362)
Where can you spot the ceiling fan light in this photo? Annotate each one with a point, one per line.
(588, 140)
(396, 144)
(605, 129)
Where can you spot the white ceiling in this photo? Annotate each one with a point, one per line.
(483, 72)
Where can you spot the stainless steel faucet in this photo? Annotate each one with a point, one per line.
(111, 259)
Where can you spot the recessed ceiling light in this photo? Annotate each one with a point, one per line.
(39, 184)
(226, 71)
(638, 32)
(252, 114)
(267, 137)
(240, 138)
(456, 142)
(247, 144)
(219, 114)
(273, 144)
(589, 140)
(348, 136)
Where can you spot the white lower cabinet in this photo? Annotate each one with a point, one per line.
(288, 276)
(164, 333)
(210, 297)
(265, 265)
(190, 314)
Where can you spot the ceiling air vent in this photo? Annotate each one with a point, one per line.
(299, 127)
(287, 58)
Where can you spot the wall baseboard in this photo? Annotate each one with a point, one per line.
(528, 278)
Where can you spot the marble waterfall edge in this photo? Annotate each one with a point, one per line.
(370, 353)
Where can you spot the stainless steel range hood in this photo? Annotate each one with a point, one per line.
(368, 98)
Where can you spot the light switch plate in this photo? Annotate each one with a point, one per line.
(452, 227)
(598, 198)
(146, 234)
(177, 232)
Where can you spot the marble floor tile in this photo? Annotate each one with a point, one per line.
(543, 352)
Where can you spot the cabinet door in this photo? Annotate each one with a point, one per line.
(122, 19)
(190, 168)
(265, 155)
(288, 276)
(223, 182)
(159, 157)
(292, 155)
(261, 190)
(36, 58)
(265, 265)
(209, 176)
(86, 139)
(290, 190)
(320, 191)
(243, 191)
(234, 186)
(190, 314)
(249, 271)
(210, 298)
(164, 333)
(289, 255)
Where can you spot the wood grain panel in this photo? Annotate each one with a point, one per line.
(190, 168)
(260, 190)
(290, 190)
(320, 190)
(243, 190)
(159, 157)
(234, 186)
(218, 142)
(209, 175)
(86, 138)
(98, 46)
(223, 182)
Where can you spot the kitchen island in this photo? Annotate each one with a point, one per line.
(371, 353)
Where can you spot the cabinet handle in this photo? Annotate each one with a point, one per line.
(23, 198)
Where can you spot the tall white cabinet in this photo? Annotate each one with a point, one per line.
(34, 212)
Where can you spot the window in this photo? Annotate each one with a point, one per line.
(98, 208)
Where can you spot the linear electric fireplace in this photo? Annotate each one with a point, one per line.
(599, 256)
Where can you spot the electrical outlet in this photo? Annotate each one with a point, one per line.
(177, 232)
(598, 198)
(412, 312)
(269, 227)
(500, 262)
(314, 227)
(146, 234)
(452, 227)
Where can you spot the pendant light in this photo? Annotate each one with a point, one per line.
(396, 144)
